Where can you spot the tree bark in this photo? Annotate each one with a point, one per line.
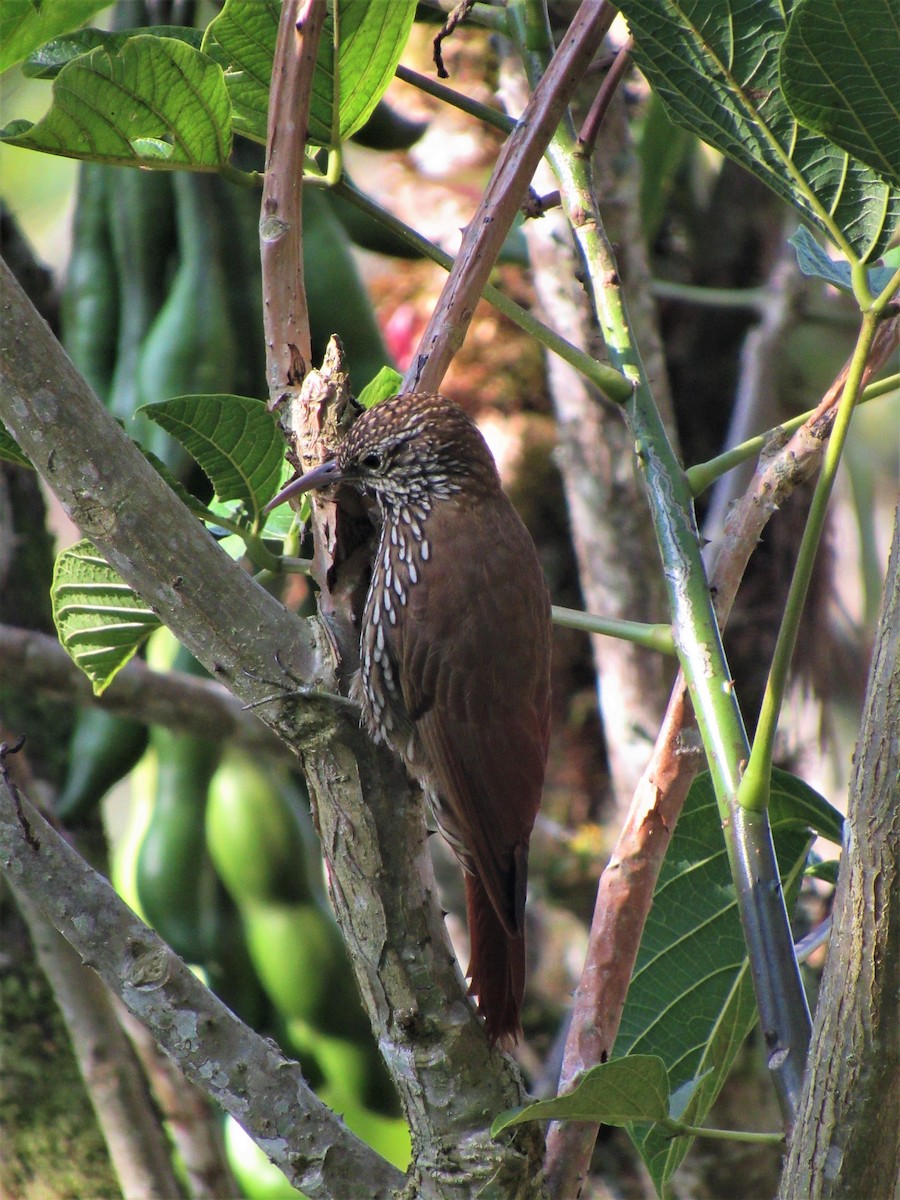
(846, 1142)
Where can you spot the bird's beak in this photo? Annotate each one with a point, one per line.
(319, 477)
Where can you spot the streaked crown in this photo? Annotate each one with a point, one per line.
(414, 448)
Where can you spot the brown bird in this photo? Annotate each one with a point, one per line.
(455, 659)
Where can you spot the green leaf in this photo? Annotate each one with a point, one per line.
(25, 24)
(715, 67)
(840, 76)
(386, 383)
(372, 35)
(235, 439)
(826, 871)
(796, 801)
(691, 999)
(9, 449)
(48, 60)
(99, 619)
(813, 261)
(135, 103)
(635, 1088)
(242, 38)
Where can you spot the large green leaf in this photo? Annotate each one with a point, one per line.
(387, 382)
(715, 67)
(150, 100)
(691, 999)
(49, 59)
(613, 1093)
(372, 34)
(99, 619)
(235, 439)
(840, 74)
(26, 24)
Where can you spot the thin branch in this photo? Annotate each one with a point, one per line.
(200, 707)
(590, 130)
(285, 314)
(512, 175)
(246, 1073)
(483, 112)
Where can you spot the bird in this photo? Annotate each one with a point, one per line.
(454, 672)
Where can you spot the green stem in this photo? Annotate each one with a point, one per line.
(256, 547)
(753, 793)
(680, 1129)
(490, 116)
(703, 475)
(651, 637)
(610, 382)
(784, 1014)
(249, 179)
(689, 293)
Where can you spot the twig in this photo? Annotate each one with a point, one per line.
(459, 14)
(587, 138)
(493, 219)
(285, 315)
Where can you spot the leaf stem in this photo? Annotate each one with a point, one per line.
(753, 793)
(651, 637)
(784, 1014)
(703, 475)
(680, 1129)
(490, 116)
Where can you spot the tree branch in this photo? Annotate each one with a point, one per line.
(285, 314)
(372, 829)
(512, 175)
(137, 1144)
(246, 1073)
(199, 707)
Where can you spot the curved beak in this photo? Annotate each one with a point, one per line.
(319, 477)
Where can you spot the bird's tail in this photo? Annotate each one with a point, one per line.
(496, 966)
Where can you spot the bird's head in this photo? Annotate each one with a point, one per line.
(410, 449)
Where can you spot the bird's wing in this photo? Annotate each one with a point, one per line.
(474, 664)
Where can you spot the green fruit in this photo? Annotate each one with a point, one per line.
(104, 748)
(337, 300)
(191, 346)
(297, 952)
(254, 835)
(176, 883)
(89, 308)
(142, 231)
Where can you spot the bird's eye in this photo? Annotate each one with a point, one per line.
(372, 461)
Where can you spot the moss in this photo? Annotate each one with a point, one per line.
(52, 1146)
